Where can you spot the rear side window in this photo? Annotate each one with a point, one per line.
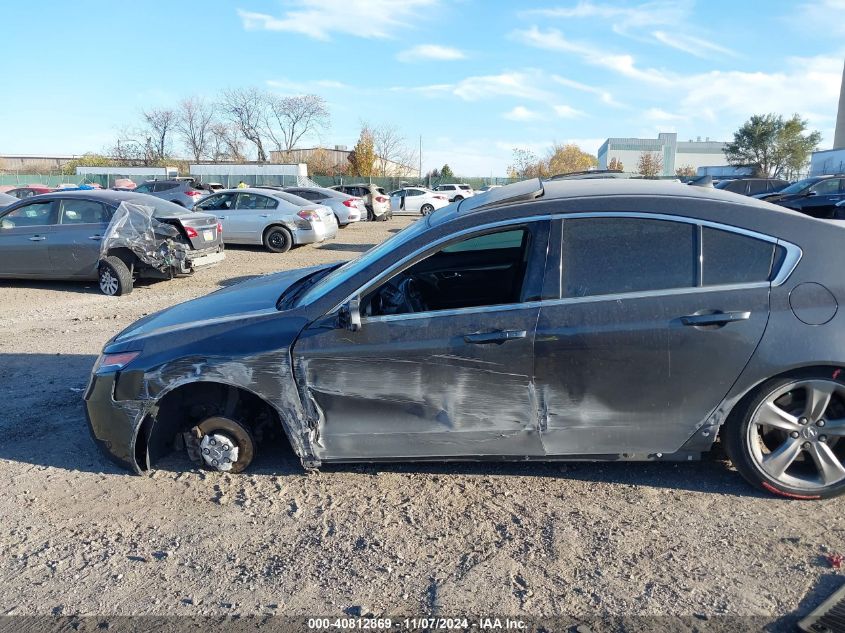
(730, 258)
(146, 187)
(604, 256)
(254, 201)
(83, 212)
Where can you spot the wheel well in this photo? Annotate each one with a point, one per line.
(798, 372)
(125, 255)
(181, 409)
(277, 226)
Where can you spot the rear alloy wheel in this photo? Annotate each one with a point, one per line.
(114, 277)
(426, 209)
(277, 239)
(225, 445)
(457, 198)
(791, 439)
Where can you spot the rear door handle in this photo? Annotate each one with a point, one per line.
(717, 318)
(496, 338)
(37, 238)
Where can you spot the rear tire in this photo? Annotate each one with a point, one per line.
(426, 209)
(114, 277)
(457, 198)
(277, 239)
(790, 437)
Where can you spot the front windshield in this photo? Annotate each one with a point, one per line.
(796, 187)
(355, 266)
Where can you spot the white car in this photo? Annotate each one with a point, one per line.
(276, 219)
(414, 200)
(455, 191)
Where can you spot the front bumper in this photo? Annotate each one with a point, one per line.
(114, 426)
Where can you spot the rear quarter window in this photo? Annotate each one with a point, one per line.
(731, 258)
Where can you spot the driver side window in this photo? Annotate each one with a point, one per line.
(482, 270)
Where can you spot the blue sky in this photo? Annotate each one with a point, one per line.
(475, 78)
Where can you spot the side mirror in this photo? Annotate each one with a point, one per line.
(349, 316)
(812, 193)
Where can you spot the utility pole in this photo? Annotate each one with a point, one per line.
(420, 176)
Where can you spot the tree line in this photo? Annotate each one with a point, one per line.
(248, 124)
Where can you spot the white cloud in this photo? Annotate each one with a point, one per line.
(567, 112)
(521, 84)
(658, 115)
(521, 113)
(434, 52)
(604, 95)
(636, 22)
(695, 46)
(553, 40)
(823, 18)
(320, 18)
(623, 18)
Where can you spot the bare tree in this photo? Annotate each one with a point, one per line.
(291, 118)
(391, 151)
(247, 109)
(225, 143)
(194, 122)
(160, 124)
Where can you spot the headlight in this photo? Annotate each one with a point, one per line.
(115, 361)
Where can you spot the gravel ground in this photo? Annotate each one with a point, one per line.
(80, 536)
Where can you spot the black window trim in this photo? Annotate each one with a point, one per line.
(788, 262)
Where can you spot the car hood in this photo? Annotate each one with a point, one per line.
(251, 298)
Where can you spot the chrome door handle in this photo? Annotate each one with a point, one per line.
(37, 238)
(717, 318)
(264, 215)
(494, 337)
(95, 237)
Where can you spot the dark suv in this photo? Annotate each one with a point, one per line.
(752, 186)
(816, 196)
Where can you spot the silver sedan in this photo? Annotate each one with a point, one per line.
(276, 219)
(347, 209)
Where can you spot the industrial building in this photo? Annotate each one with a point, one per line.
(674, 154)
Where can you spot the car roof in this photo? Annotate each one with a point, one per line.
(535, 190)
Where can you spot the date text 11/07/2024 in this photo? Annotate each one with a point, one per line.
(420, 623)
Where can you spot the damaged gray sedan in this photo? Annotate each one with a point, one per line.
(111, 236)
(594, 320)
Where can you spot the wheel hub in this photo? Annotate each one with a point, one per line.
(219, 451)
(794, 434)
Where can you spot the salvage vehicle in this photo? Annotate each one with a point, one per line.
(111, 236)
(599, 319)
(276, 219)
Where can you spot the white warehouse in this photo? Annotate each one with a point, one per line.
(674, 154)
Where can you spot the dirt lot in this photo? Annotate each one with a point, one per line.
(80, 536)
